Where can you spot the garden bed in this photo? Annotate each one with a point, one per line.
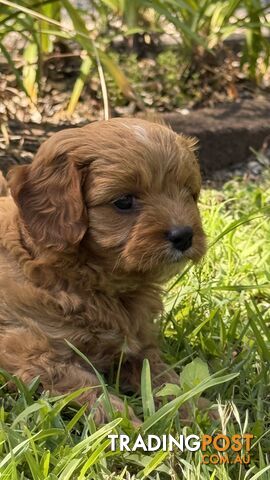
(226, 134)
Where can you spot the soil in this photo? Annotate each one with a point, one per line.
(227, 133)
(229, 137)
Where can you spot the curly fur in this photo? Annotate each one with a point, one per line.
(74, 268)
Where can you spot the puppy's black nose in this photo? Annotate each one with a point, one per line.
(181, 237)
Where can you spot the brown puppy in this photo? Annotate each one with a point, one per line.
(103, 216)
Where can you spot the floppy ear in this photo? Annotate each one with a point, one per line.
(48, 195)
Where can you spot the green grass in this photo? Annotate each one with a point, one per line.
(217, 316)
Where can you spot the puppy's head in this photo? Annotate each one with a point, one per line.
(125, 190)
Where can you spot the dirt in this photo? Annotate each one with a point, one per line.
(227, 134)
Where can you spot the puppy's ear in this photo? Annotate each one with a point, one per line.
(48, 195)
(192, 143)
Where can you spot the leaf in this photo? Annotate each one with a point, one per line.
(260, 473)
(205, 321)
(169, 410)
(170, 389)
(146, 389)
(70, 469)
(30, 56)
(76, 418)
(23, 446)
(113, 4)
(117, 74)
(187, 34)
(79, 84)
(13, 67)
(194, 373)
(107, 402)
(94, 457)
(35, 407)
(260, 340)
(87, 43)
(155, 461)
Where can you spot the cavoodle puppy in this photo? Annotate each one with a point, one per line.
(103, 216)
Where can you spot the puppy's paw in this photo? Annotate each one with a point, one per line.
(186, 411)
(203, 405)
(119, 405)
(170, 380)
(164, 377)
(101, 416)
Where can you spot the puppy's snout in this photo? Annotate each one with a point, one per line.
(180, 237)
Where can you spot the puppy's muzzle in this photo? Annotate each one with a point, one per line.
(180, 237)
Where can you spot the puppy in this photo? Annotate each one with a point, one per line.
(97, 223)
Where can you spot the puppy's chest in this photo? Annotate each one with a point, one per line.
(9, 269)
(107, 326)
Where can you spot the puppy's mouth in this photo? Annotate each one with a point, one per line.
(175, 256)
(193, 253)
(174, 252)
(179, 256)
(167, 258)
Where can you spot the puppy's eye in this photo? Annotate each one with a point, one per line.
(126, 202)
(195, 197)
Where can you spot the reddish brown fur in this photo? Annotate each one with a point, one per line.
(74, 268)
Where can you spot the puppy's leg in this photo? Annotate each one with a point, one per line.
(65, 378)
(27, 357)
(161, 373)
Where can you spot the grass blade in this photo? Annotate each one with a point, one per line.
(79, 84)
(146, 391)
